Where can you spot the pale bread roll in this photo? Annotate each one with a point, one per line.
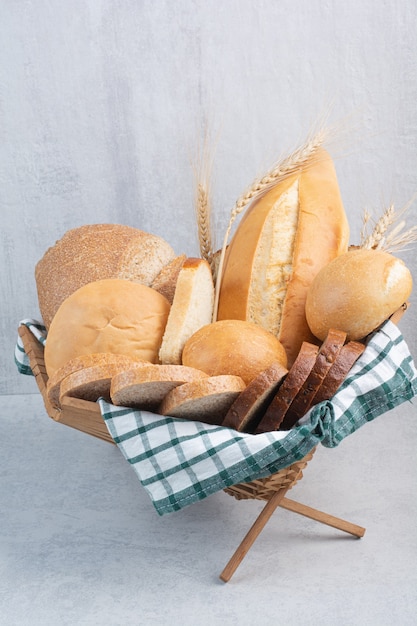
(79, 363)
(250, 406)
(113, 315)
(292, 384)
(192, 308)
(233, 347)
(95, 252)
(280, 244)
(145, 388)
(357, 292)
(206, 400)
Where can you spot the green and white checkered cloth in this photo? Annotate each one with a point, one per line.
(179, 462)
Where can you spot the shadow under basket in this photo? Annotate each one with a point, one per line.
(86, 417)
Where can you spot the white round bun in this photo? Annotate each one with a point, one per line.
(357, 292)
(113, 316)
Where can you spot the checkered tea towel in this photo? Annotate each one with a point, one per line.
(179, 462)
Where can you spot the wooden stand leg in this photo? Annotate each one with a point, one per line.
(252, 534)
(279, 499)
(324, 518)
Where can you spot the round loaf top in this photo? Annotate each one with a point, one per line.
(113, 316)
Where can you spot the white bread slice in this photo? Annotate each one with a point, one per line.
(145, 388)
(191, 309)
(206, 400)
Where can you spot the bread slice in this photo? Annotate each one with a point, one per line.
(146, 387)
(78, 363)
(166, 281)
(250, 406)
(206, 400)
(326, 356)
(292, 384)
(344, 362)
(92, 383)
(191, 309)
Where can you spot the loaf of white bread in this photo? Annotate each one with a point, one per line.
(95, 252)
(282, 241)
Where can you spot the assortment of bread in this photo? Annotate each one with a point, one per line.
(250, 337)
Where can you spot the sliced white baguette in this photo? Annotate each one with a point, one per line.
(206, 400)
(146, 387)
(192, 308)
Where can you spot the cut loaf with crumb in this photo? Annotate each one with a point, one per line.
(191, 309)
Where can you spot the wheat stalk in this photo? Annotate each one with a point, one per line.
(385, 236)
(203, 207)
(298, 160)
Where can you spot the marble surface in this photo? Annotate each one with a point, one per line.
(81, 543)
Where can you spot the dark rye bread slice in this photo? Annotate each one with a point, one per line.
(145, 388)
(328, 352)
(344, 362)
(250, 406)
(206, 400)
(288, 390)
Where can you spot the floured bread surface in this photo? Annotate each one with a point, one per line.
(273, 262)
(146, 388)
(207, 400)
(192, 308)
(115, 315)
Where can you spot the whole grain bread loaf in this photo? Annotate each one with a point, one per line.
(95, 252)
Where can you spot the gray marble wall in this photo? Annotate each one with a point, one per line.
(103, 102)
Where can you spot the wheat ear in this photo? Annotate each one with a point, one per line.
(298, 160)
(202, 173)
(385, 236)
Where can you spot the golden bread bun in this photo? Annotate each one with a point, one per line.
(357, 292)
(281, 243)
(113, 315)
(233, 347)
(95, 252)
